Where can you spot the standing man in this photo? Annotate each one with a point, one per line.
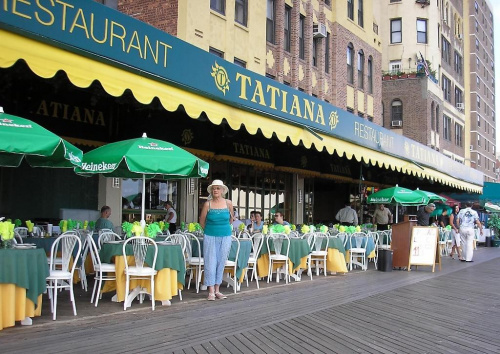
(347, 216)
(382, 217)
(467, 218)
(455, 225)
(103, 222)
(424, 213)
(171, 217)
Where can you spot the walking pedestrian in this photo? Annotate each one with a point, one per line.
(468, 217)
(455, 226)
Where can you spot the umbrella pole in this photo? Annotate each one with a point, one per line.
(397, 213)
(143, 221)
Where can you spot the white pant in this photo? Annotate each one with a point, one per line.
(467, 236)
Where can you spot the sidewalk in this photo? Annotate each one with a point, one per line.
(455, 310)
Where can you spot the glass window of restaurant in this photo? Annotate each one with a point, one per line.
(252, 188)
(157, 192)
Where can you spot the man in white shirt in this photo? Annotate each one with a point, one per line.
(467, 218)
(347, 216)
(171, 217)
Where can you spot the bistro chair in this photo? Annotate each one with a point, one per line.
(319, 251)
(257, 242)
(233, 265)
(140, 270)
(358, 242)
(22, 232)
(194, 261)
(281, 244)
(103, 271)
(107, 236)
(177, 239)
(61, 274)
(309, 237)
(375, 236)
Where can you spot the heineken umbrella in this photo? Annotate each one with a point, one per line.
(431, 197)
(23, 139)
(143, 158)
(396, 195)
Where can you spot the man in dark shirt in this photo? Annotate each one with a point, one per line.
(444, 218)
(424, 214)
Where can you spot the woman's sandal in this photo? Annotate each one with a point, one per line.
(211, 297)
(220, 295)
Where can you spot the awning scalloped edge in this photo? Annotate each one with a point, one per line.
(46, 60)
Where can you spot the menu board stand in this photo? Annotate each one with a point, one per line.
(423, 247)
(400, 244)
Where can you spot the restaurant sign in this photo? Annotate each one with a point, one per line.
(99, 32)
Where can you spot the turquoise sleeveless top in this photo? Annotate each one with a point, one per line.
(217, 222)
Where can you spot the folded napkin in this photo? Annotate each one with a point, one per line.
(29, 225)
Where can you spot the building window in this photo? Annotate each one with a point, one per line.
(271, 19)
(421, 31)
(288, 25)
(458, 63)
(327, 53)
(350, 62)
(396, 33)
(219, 6)
(360, 13)
(240, 62)
(445, 50)
(241, 11)
(361, 69)
(217, 52)
(478, 101)
(395, 67)
(478, 141)
(446, 88)
(478, 121)
(109, 3)
(350, 9)
(437, 119)
(446, 127)
(396, 112)
(458, 135)
(458, 96)
(370, 74)
(315, 51)
(302, 21)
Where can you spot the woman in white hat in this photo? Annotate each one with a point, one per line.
(216, 218)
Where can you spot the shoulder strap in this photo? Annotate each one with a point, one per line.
(227, 206)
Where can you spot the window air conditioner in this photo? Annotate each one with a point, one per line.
(460, 36)
(397, 123)
(319, 30)
(460, 105)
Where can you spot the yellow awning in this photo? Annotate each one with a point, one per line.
(45, 60)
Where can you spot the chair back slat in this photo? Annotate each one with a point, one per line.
(320, 241)
(257, 242)
(65, 245)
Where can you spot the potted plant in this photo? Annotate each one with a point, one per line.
(494, 225)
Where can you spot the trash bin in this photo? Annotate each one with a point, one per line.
(384, 262)
(488, 241)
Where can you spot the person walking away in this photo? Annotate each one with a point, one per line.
(382, 217)
(171, 217)
(216, 218)
(467, 218)
(103, 222)
(424, 213)
(347, 216)
(455, 226)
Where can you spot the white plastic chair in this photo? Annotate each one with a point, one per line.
(22, 232)
(178, 239)
(233, 265)
(107, 236)
(139, 271)
(357, 250)
(194, 263)
(61, 275)
(375, 237)
(280, 256)
(383, 236)
(319, 251)
(103, 271)
(257, 242)
(309, 237)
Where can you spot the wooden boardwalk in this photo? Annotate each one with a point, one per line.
(455, 310)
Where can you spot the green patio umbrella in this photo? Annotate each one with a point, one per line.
(431, 197)
(396, 195)
(439, 209)
(23, 139)
(143, 158)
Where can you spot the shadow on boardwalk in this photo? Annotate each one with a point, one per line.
(455, 310)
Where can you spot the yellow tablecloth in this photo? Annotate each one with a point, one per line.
(263, 265)
(166, 284)
(14, 306)
(335, 261)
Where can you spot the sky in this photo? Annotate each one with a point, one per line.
(496, 26)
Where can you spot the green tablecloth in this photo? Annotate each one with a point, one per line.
(243, 256)
(169, 256)
(27, 268)
(336, 243)
(298, 249)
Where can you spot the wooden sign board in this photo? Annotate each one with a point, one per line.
(423, 245)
